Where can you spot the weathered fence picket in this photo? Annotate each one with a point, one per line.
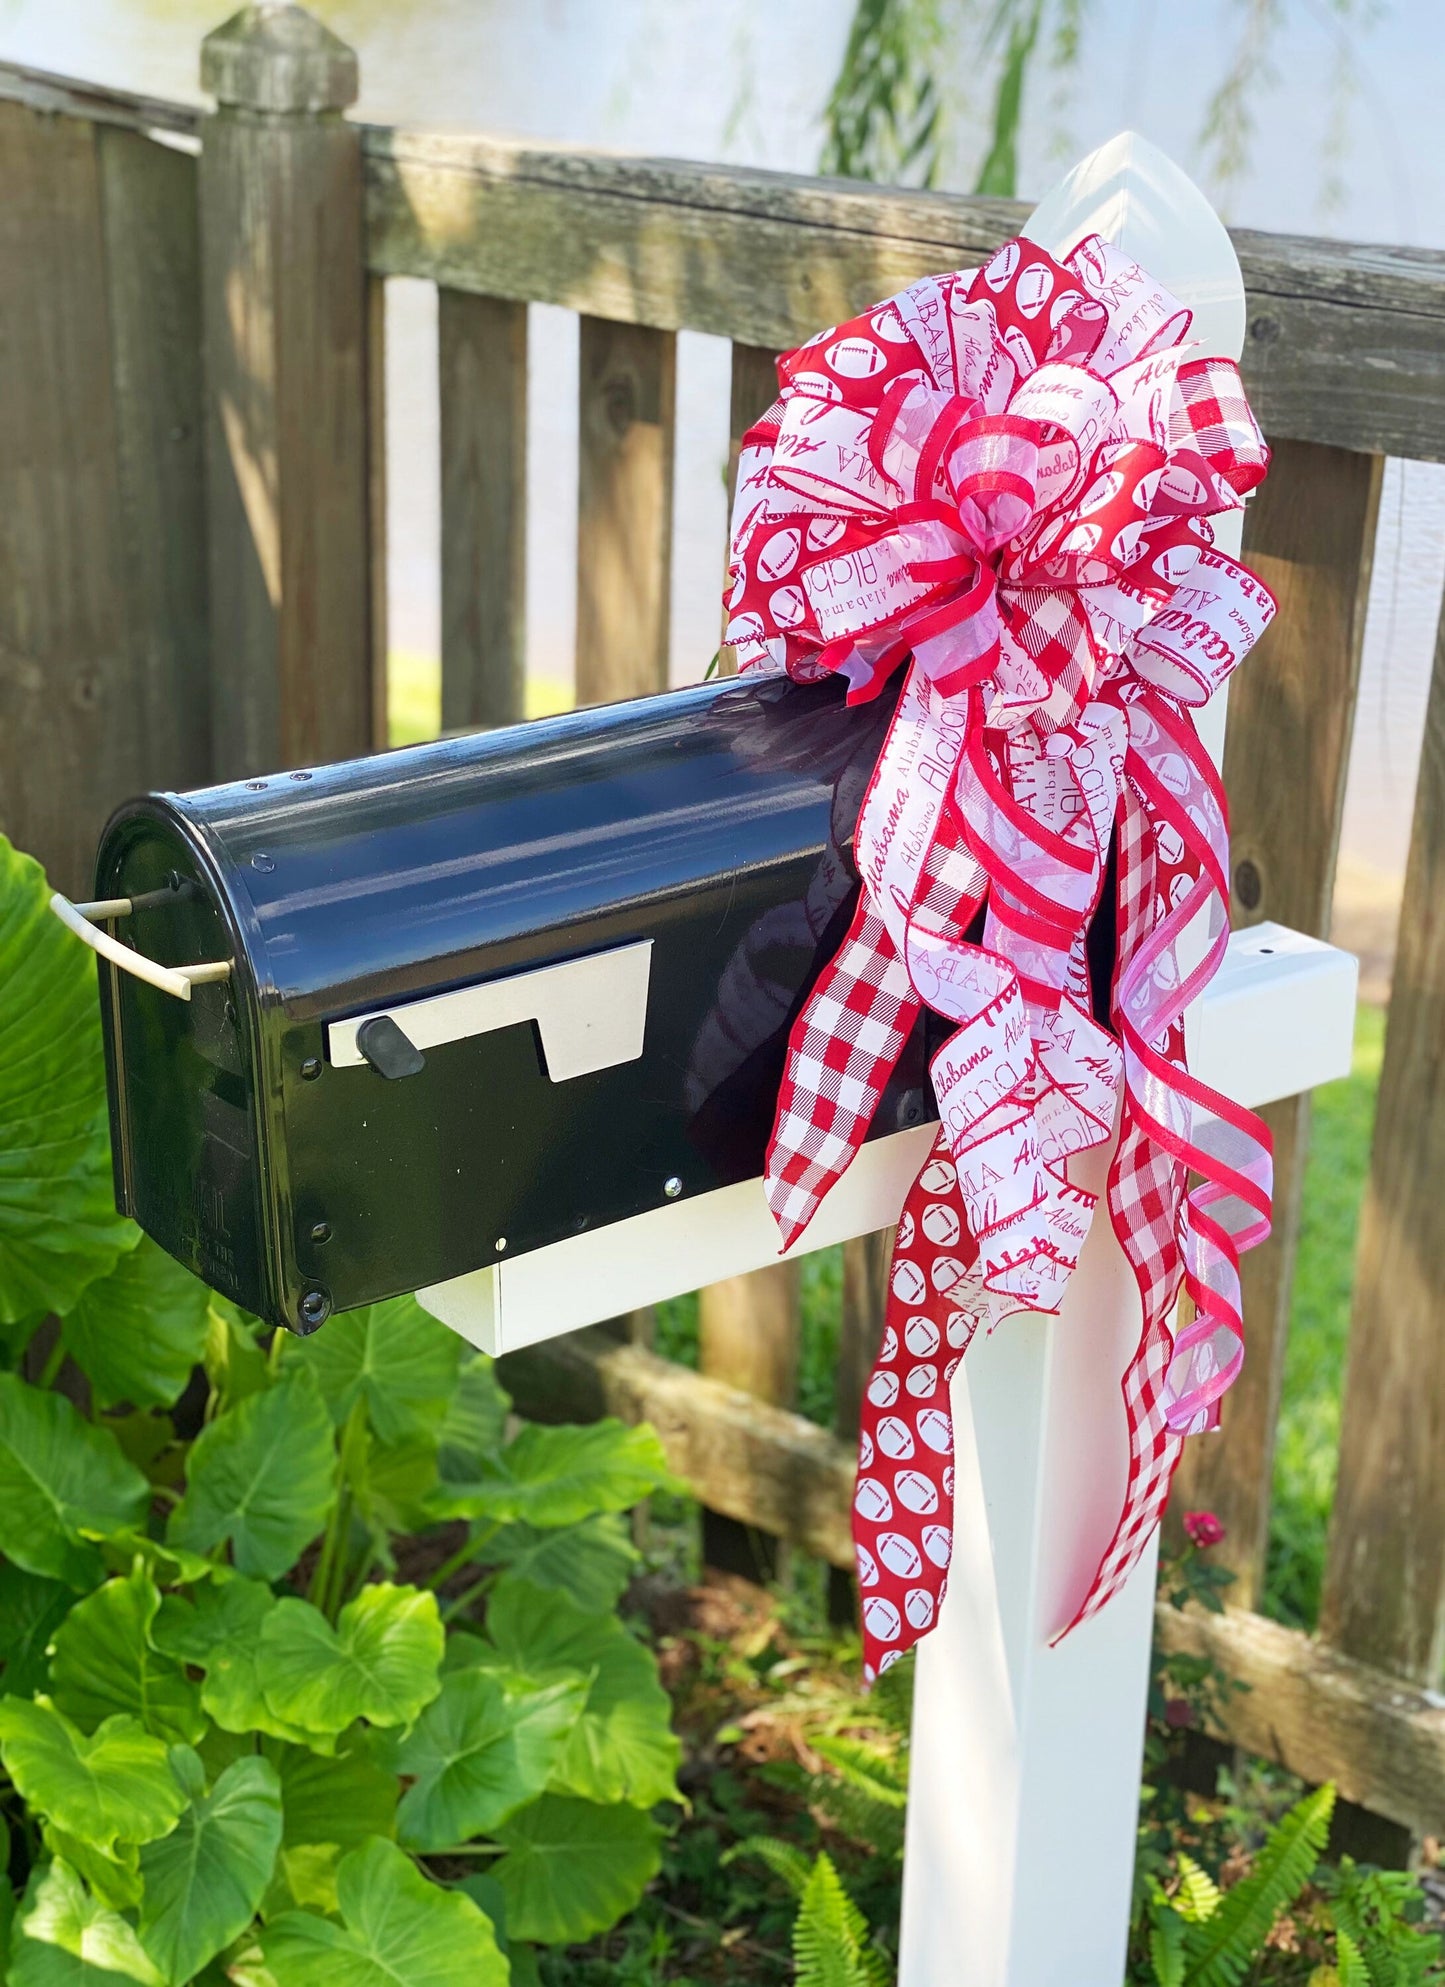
(158, 623)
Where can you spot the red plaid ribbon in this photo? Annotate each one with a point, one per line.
(1001, 484)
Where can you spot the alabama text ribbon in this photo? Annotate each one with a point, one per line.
(999, 483)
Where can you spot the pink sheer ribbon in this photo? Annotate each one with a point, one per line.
(1001, 484)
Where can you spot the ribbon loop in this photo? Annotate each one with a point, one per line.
(1001, 484)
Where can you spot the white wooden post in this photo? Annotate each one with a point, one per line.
(1026, 1759)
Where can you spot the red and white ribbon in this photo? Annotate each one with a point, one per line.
(1000, 483)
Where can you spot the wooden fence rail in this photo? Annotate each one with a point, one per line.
(192, 581)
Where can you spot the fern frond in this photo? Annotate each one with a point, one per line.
(1350, 1962)
(830, 1935)
(784, 1859)
(1198, 1896)
(870, 1769)
(1221, 1949)
(1166, 1945)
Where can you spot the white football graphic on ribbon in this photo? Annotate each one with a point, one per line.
(938, 1177)
(938, 1543)
(887, 324)
(867, 1566)
(871, 1501)
(921, 1381)
(816, 386)
(883, 1388)
(948, 1272)
(918, 1606)
(745, 628)
(787, 606)
(941, 1224)
(909, 1283)
(865, 1450)
(855, 358)
(895, 1438)
(1032, 288)
(920, 1335)
(916, 1492)
(998, 272)
(935, 1428)
(889, 1348)
(779, 556)
(904, 1238)
(825, 531)
(899, 1555)
(960, 1328)
(880, 1618)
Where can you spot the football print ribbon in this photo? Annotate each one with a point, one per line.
(1000, 483)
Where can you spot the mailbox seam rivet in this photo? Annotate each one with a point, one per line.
(500, 1244)
(311, 1068)
(672, 1186)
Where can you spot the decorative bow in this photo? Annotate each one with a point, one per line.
(1003, 481)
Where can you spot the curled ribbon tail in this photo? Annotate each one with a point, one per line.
(997, 485)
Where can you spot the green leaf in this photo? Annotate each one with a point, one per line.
(103, 1662)
(591, 1563)
(380, 1662)
(304, 1880)
(31, 1609)
(397, 1930)
(115, 1785)
(395, 1355)
(622, 1748)
(396, 1484)
(220, 1633)
(60, 1478)
(558, 1476)
(830, 1934)
(341, 1800)
(205, 1879)
(262, 1477)
(235, 1364)
(475, 1421)
(64, 1936)
(481, 1750)
(139, 1332)
(58, 1225)
(1226, 1943)
(114, 1878)
(573, 1868)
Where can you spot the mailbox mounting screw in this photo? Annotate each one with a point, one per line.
(315, 1308)
(311, 1068)
(500, 1245)
(672, 1186)
(263, 862)
(321, 1231)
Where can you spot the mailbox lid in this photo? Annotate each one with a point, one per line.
(712, 826)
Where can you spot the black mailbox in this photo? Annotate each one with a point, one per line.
(483, 994)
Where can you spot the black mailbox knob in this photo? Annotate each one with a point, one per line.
(387, 1049)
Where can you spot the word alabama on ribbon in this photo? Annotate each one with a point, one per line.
(1000, 483)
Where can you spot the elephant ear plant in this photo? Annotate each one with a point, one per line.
(241, 1737)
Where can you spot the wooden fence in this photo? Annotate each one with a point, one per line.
(192, 558)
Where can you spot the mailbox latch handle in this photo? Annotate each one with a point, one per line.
(387, 1049)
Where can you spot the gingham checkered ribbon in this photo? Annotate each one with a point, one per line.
(1002, 483)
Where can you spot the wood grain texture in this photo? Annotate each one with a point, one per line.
(1320, 1714)
(1317, 1712)
(1384, 1594)
(760, 1465)
(289, 468)
(1344, 343)
(1310, 535)
(483, 377)
(749, 1339)
(626, 399)
(102, 593)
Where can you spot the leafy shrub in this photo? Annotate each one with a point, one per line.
(241, 1735)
